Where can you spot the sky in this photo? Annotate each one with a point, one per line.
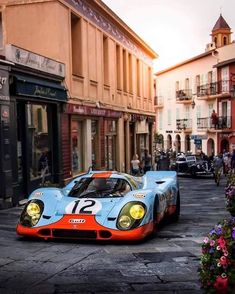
(175, 29)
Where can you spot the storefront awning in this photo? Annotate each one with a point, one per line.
(39, 88)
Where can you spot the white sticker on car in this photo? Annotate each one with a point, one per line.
(83, 206)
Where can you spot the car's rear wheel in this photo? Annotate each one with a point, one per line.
(175, 216)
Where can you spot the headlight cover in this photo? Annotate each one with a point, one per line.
(131, 215)
(32, 213)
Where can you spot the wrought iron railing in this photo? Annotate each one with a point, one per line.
(183, 124)
(182, 95)
(224, 122)
(216, 88)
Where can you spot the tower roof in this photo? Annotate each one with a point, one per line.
(221, 24)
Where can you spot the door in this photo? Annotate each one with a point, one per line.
(34, 145)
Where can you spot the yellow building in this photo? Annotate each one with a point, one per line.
(82, 48)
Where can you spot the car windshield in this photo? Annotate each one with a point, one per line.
(100, 188)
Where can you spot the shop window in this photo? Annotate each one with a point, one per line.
(94, 144)
(76, 40)
(38, 141)
(76, 138)
(110, 144)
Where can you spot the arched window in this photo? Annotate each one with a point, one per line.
(225, 40)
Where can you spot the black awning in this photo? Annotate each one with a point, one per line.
(39, 88)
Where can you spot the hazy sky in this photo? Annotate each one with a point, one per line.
(175, 29)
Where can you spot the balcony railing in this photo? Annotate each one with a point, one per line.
(183, 124)
(217, 88)
(224, 122)
(182, 95)
(207, 89)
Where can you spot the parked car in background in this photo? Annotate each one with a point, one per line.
(192, 165)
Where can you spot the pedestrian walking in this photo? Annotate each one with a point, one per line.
(233, 160)
(135, 165)
(218, 167)
(147, 161)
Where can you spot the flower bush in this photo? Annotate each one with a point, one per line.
(217, 264)
(230, 194)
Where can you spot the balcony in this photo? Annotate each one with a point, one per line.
(207, 91)
(224, 122)
(158, 102)
(184, 124)
(216, 90)
(184, 96)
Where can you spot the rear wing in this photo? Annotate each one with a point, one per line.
(159, 179)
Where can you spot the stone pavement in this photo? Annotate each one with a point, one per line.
(166, 262)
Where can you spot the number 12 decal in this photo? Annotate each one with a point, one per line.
(83, 206)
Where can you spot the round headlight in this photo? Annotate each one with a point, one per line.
(33, 209)
(137, 211)
(198, 166)
(124, 221)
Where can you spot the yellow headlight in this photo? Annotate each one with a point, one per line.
(124, 221)
(137, 211)
(33, 209)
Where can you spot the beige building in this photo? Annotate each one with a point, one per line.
(84, 49)
(187, 93)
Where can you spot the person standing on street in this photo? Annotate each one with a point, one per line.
(147, 161)
(135, 165)
(233, 160)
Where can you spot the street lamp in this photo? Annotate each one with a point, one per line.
(193, 104)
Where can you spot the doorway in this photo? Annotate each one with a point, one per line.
(33, 146)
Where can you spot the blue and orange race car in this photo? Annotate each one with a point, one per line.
(103, 206)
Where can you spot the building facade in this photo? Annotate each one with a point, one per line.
(187, 94)
(80, 91)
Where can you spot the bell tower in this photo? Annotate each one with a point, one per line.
(221, 33)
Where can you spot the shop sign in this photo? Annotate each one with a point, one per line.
(202, 137)
(142, 127)
(30, 88)
(4, 89)
(87, 110)
(35, 61)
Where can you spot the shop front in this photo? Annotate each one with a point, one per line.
(36, 102)
(6, 191)
(90, 139)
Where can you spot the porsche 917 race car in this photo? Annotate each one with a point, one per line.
(102, 206)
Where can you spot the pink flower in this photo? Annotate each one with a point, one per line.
(221, 242)
(221, 285)
(206, 240)
(212, 243)
(223, 261)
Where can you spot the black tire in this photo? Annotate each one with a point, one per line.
(175, 216)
